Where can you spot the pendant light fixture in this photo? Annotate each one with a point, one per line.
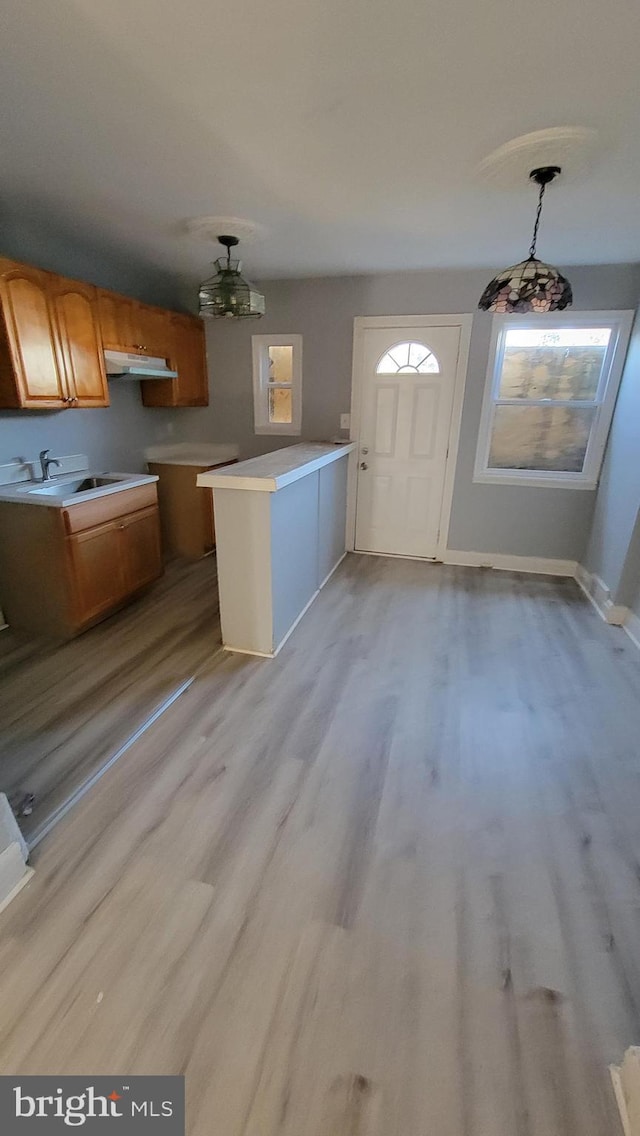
(227, 294)
(532, 285)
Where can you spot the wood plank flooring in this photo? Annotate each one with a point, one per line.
(67, 708)
(387, 884)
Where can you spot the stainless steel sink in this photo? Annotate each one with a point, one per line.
(65, 487)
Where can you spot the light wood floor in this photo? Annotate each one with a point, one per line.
(67, 708)
(387, 884)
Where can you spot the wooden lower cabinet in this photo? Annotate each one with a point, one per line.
(139, 536)
(62, 570)
(112, 561)
(186, 511)
(97, 571)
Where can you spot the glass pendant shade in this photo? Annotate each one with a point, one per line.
(227, 294)
(531, 285)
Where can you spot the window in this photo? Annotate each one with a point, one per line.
(551, 388)
(408, 357)
(277, 383)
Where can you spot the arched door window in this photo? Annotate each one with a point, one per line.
(408, 358)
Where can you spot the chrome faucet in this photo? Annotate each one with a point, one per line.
(46, 463)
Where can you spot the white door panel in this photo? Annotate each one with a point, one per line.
(404, 433)
(385, 420)
(424, 421)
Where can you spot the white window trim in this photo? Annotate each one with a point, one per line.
(259, 350)
(620, 324)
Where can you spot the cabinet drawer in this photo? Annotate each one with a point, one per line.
(107, 508)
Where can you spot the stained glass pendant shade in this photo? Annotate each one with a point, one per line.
(227, 294)
(531, 285)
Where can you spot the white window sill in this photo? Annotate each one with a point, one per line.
(529, 479)
(279, 429)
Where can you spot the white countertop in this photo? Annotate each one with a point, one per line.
(20, 493)
(192, 453)
(273, 471)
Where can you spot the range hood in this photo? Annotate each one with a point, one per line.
(122, 365)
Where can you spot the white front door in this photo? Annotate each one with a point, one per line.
(407, 387)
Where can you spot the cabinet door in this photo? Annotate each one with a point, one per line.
(82, 359)
(32, 375)
(97, 570)
(191, 361)
(140, 543)
(154, 330)
(188, 358)
(117, 321)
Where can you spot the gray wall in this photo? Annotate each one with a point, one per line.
(613, 539)
(113, 437)
(629, 589)
(508, 519)
(294, 551)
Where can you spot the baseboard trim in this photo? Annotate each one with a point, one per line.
(599, 596)
(28, 875)
(632, 628)
(276, 650)
(503, 562)
(247, 651)
(626, 1086)
(597, 591)
(334, 569)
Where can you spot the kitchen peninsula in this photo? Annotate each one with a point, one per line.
(280, 528)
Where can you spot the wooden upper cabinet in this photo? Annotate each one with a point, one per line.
(53, 333)
(50, 348)
(117, 321)
(190, 361)
(31, 372)
(76, 316)
(187, 357)
(128, 325)
(154, 330)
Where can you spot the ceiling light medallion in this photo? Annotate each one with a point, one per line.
(227, 294)
(532, 285)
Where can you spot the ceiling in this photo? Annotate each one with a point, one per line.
(350, 130)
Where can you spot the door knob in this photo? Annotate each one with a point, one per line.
(363, 465)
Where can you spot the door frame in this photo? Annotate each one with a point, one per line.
(360, 324)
